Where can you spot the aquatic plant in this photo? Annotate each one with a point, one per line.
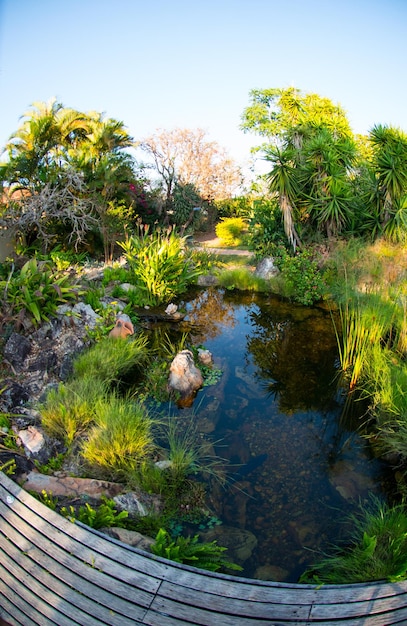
(376, 550)
(243, 279)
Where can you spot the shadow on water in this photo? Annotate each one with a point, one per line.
(296, 467)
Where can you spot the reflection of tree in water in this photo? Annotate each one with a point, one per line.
(296, 357)
(210, 310)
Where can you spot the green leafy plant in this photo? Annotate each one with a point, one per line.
(37, 290)
(300, 278)
(53, 464)
(159, 265)
(190, 551)
(103, 516)
(9, 467)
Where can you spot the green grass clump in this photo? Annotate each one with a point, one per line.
(243, 279)
(120, 439)
(109, 359)
(377, 549)
(68, 411)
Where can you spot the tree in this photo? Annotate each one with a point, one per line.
(186, 157)
(38, 215)
(389, 194)
(56, 144)
(312, 151)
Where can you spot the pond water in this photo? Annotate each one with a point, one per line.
(295, 465)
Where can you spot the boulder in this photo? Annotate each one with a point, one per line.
(184, 376)
(266, 269)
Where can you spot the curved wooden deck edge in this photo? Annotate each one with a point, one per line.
(54, 572)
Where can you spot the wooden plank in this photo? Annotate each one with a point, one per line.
(62, 565)
(9, 612)
(78, 557)
(233, 606)
(56, 572)
(84, 595)
(29, 599)
(206, 617)
(89, 538)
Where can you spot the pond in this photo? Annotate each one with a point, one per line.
(295, 465)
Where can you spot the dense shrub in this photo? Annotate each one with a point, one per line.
(230, 230)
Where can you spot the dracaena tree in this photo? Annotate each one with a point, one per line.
(387, 172)
(310, 146)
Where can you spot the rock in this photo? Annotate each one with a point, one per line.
(127, 287)
(34, 444)
(71, 486)
(184, 376)
(239, 542)
(171, 309)
(207, 281)
(122, 329)
(271, 572)
(131, 537)
(205, 357)
(266, 269)
(163, 465)
(17, 349)
(138, 503)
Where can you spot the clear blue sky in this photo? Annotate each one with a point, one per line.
(191, 63)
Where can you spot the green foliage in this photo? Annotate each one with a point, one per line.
(300, 278)
(9, 468)
(53, 464)
(68, 411)
(120, 439)
(234, 207)
(190, 551)
(110, 359)
(104, 516)
(230, 230)
(376, 550)
(37, 290)
(266, 231)
(243, 279)
(160, 267)
(64, 259)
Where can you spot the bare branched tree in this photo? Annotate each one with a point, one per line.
(38, 212)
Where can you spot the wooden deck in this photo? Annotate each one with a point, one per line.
(54, 572)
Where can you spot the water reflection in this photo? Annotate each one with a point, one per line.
(294, 467)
